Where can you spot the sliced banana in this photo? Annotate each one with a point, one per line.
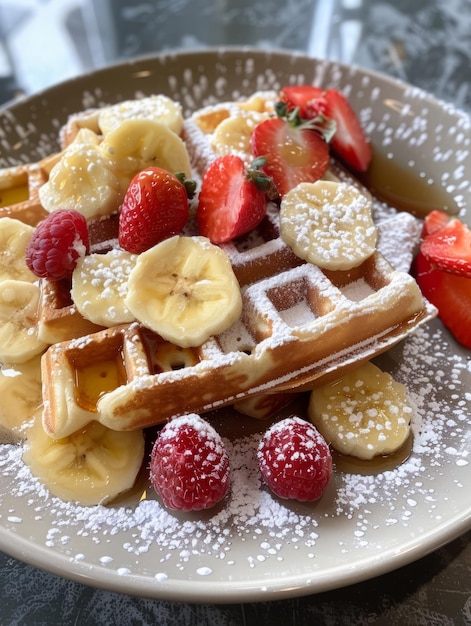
(261, 101)
(83, 180)
(232, 135)
(138, 143)
(329, 224)
(99, 287)
(19, 340)
(14, 238)
(159, 108)
(20, 390)
(366, 413)
(185, 290)
(91, 466)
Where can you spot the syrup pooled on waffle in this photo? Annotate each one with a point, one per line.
(19, 191)
(296, 324)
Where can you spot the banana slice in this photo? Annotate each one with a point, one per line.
(232, 135)
(99, 286)
(366, 413)
(159, 108)
(82, 180)
(329, 224)
(14, 238)
(261, 101)
(185, 290)
(91, 466)
(137, 143)
(19, 341)
(20, 390)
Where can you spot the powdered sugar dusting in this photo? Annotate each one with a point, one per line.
(251, 526)
(365, 517)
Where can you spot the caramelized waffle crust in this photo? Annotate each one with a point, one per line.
(296, 329)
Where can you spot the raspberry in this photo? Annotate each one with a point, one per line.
(56, 245)
(189, 467)
(295, 460)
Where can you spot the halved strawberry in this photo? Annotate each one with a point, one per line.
(349, 142)
(451, 294)
(293, 154)
(301, 97)
(449, 248)
(154, 208)
(433, 221)
(230, 203)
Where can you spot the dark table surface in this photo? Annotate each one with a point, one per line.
(426, 43)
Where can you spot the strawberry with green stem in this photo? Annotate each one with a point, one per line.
(349, 142)
(294, 150)
(232, 199)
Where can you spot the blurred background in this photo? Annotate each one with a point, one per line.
(425, 42)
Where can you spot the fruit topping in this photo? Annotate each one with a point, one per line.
(189, 466)
(449, 248)
(184, 289)
(349, 142)
(140, 143)
(158, 108)
(155, 207)
(92, 465)
(328, 224)
(294, 460)
(83, 180)
(99, 286)
(365, 413)
(232, 199)
(294, 151)
(442, 269)
(57, 244)
(19, 302)
(433, 221)
(303, 98)
(14, 238)
(450, 293)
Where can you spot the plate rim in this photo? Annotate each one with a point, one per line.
(196, 590)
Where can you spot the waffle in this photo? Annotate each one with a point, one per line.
(199, 128)
(297, 328)
(19, 185)
(87, 119)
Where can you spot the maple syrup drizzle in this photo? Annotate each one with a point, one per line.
(376, 465)
(95, 379)
(403, 188)
(14, 195)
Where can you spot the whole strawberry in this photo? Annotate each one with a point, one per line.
(189, 466)
(57, 244)
(154, 208)
(295, 460)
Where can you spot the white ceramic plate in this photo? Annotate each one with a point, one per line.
(255, 547)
